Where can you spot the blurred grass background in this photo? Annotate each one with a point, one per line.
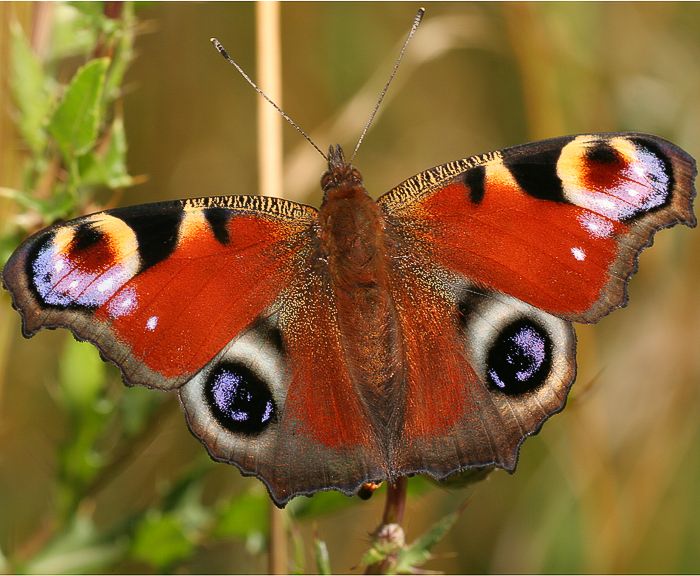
(609, 485)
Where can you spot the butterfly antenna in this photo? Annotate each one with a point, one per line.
(414, 27)
(221, 50)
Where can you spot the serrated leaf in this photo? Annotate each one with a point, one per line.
(76, 121)
(31, 91)
(323, 561)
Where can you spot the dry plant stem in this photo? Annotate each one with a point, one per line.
(269, 76)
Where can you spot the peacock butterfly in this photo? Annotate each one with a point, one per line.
(428, 332)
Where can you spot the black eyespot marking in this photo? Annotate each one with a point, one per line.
(218, 219)
(239, 400)
(536, 172)
(474, 180)
(86, 235)
(520, 359)
(603, 153)
(156, 229)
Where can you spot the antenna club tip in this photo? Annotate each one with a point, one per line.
(219, 47)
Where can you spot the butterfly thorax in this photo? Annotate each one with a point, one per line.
(353, 244)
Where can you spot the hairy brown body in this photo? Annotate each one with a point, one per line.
(354, 243)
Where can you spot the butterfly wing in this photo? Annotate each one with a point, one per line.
(504, 250)
(224, 299)
(159, 288)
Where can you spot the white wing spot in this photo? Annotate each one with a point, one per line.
(151, 323)
(105, 285)
(579, 253)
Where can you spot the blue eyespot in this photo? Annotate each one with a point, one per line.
(520, 359)
(240, 401)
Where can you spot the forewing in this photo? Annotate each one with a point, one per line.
(558, 224)
(161, 288)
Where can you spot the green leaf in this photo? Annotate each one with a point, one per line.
(418, 552)
(323, 561)
(76, 121)
(161, 540)
(31, 91)
(109, 167)
(76, 30)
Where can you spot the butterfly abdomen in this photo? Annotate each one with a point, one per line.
(353, 244)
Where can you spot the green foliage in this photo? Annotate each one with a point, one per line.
(71, 127)
(82, 385)
(418, 552)
(244, 516)
(107, 167)
(389, 554)
(32, 91)
(161, 541)
(75, 122)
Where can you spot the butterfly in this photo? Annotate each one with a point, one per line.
(427, 332)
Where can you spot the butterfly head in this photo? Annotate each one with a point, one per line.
(340, 175)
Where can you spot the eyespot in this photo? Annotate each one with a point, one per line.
(515, 348)
(239, 400)
(236, 403)
(520, 358)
